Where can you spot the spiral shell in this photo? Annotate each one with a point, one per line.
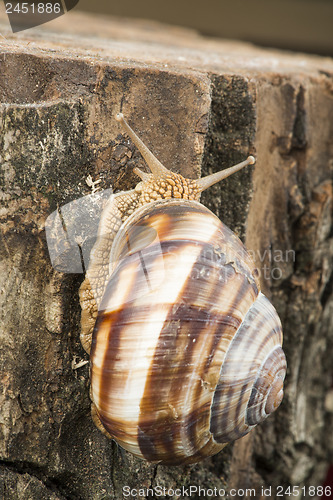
(186, 350)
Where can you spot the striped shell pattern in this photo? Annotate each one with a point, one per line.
(186, 351)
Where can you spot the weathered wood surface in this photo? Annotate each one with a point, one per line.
(200, 105)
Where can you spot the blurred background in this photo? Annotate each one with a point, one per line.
(302, 25)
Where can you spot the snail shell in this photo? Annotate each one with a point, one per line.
(186, 351)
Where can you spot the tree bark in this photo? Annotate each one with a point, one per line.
(199, 105)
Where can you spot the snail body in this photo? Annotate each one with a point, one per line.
(186, 352)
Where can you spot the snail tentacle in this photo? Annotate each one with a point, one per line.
(153, 163)
(210, 180)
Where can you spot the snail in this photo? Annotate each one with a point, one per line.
(185, 350)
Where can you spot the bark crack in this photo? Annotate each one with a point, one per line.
(26, 468)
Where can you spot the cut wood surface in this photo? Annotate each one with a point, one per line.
(200, 105)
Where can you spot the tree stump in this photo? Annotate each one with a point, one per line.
(200, 105)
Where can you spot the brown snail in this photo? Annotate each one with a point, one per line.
(185, 350)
